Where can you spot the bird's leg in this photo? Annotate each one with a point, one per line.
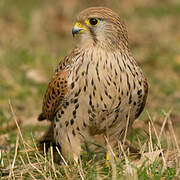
(70, 146)
(47, 139)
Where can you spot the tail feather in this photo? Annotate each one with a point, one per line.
(41, 117)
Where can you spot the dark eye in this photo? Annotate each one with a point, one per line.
(93, 21)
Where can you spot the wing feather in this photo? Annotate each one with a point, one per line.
(56, 90)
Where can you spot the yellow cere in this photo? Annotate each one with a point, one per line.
(79, 25)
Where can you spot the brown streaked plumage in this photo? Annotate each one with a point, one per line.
(97, 87)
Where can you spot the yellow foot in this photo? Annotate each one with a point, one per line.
(76, 159)
(107, 159)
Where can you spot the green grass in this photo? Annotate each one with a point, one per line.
(33, 39)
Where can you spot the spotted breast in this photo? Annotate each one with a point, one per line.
(97, 88)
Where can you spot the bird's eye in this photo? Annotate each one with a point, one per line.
(93, 21)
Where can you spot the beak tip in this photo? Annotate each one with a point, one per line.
(75, 31)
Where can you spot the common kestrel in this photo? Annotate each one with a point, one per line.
(97, 87)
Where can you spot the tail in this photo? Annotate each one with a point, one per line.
(41, 117)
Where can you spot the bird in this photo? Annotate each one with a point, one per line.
(97, 88)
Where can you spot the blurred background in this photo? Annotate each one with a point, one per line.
(36, 34)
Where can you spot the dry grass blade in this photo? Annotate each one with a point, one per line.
(1, 159)
(81, 173)
(52, 161)
(126, 129)
(19, 130)
(38, 170)
(45, 157)
(163, 125)
(159, 143)
(150, 138)
(14, 159)
(131, 173)
(61, 156)
(16, 121)
(24, 144)
(173, 134)
(27, 168)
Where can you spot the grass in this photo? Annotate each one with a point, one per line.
(153, 161)
(34, 35)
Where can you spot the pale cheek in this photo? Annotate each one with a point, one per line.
(85, 37)
(84, 40)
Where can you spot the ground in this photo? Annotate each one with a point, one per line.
(35, 35)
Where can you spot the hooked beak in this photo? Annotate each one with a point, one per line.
(78, 27)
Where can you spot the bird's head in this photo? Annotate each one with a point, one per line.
(100, 26)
